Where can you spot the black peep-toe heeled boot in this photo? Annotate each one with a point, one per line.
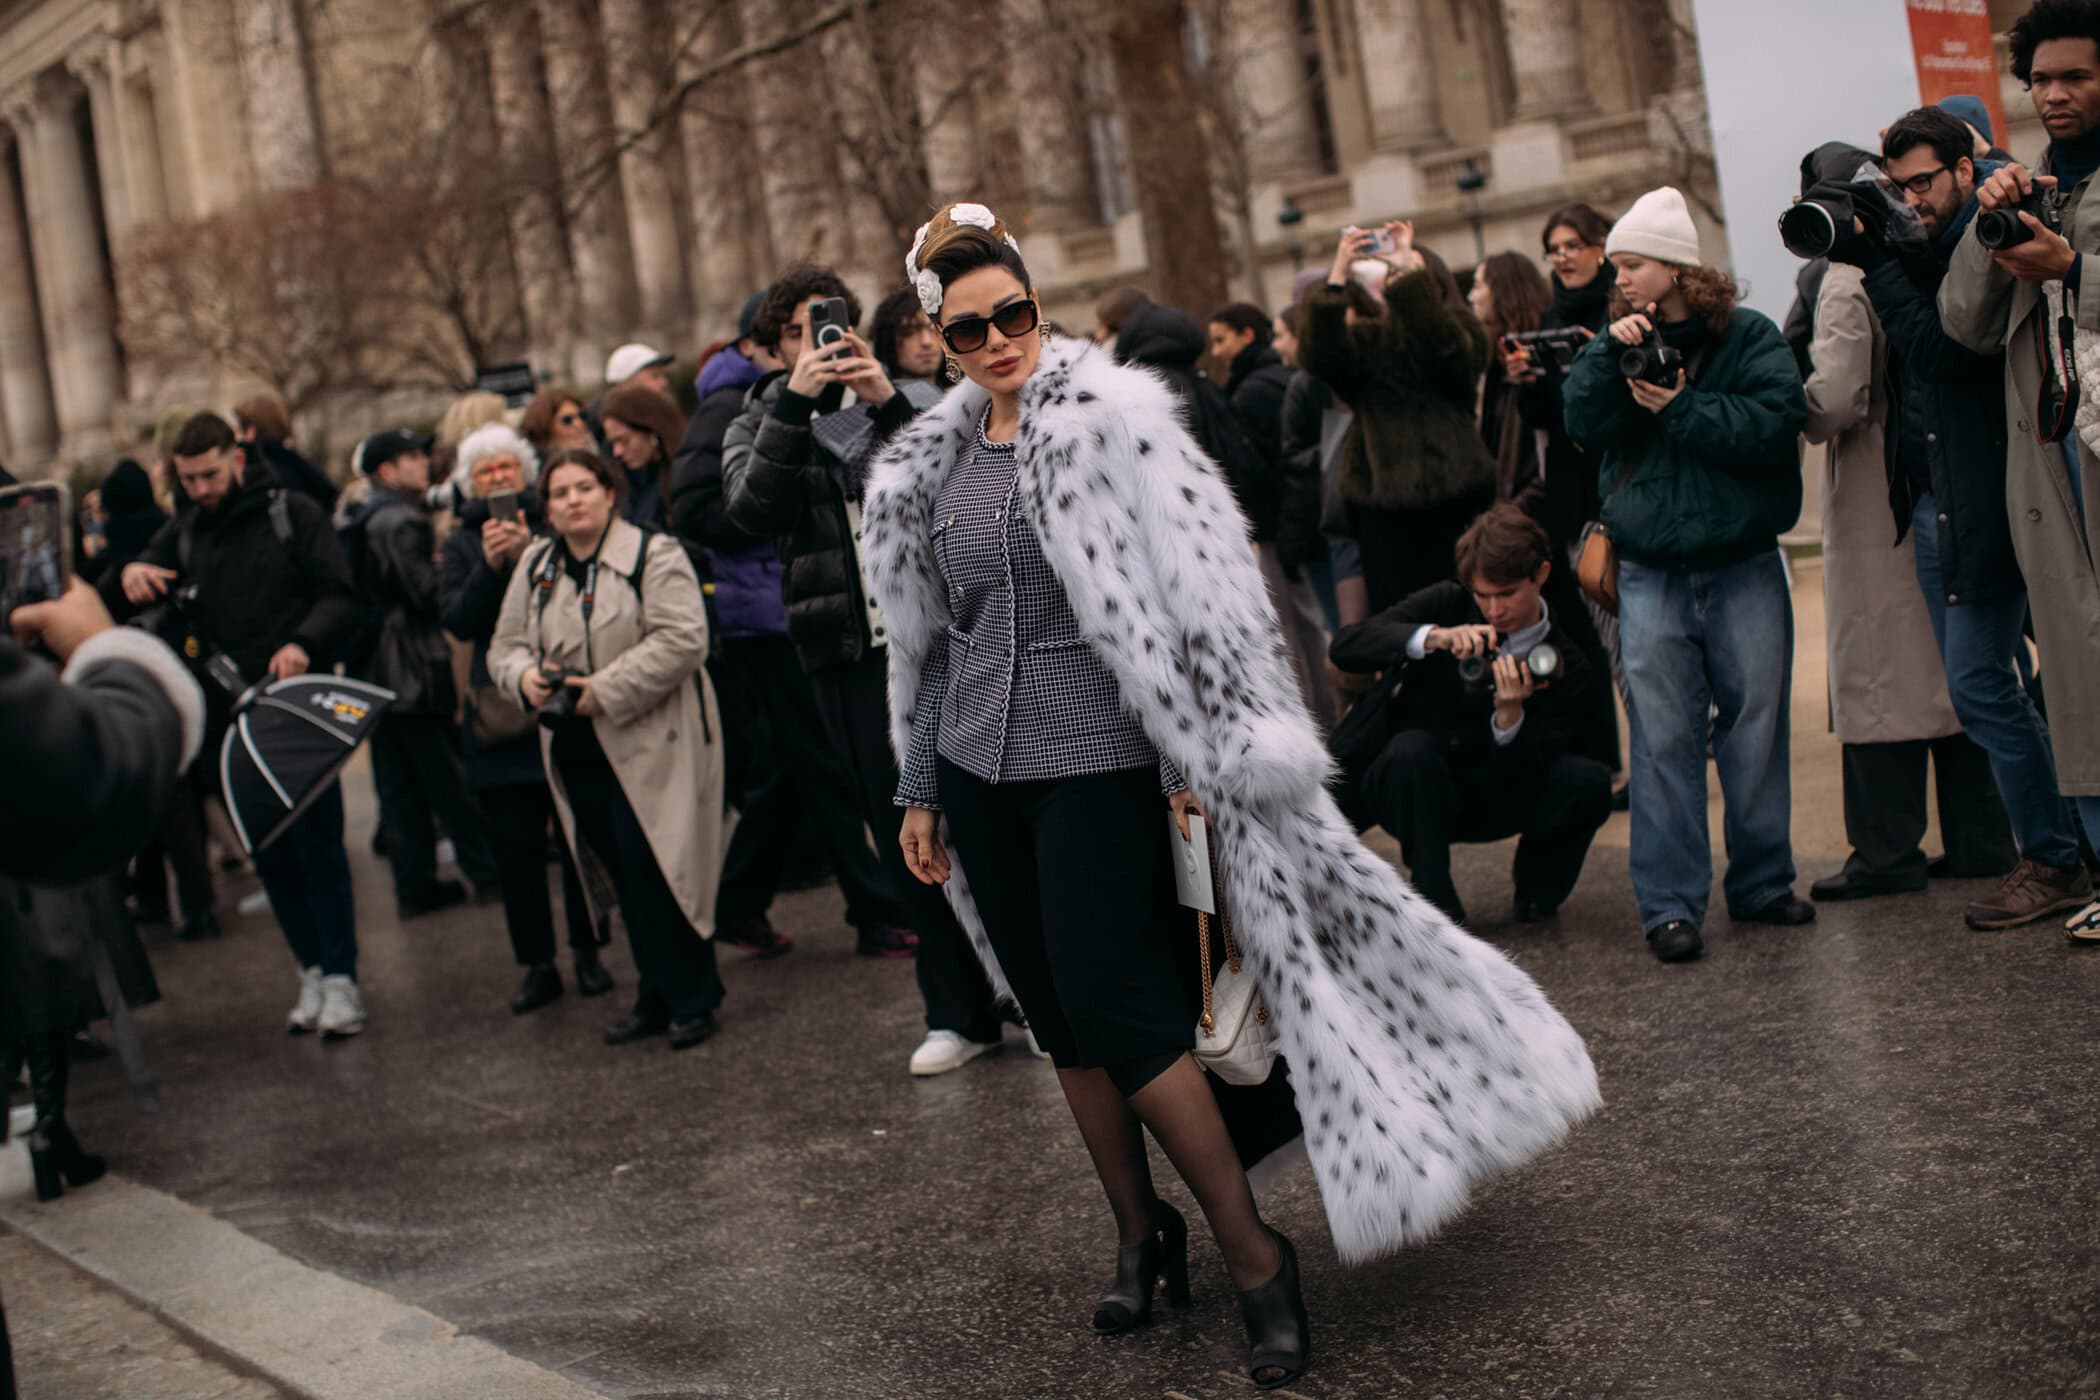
(1164, 1254)
(1279, 1339)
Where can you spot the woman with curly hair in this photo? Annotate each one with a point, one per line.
(1694, 407)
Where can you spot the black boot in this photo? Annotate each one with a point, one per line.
(542, 984)
(1162, 1254)
(54, 1153)
(592, 980)
(1279, 1338)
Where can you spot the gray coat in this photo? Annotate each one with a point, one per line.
(1987, 310)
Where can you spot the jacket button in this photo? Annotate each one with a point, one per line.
(1932, 437)
(1954, 597)
(2022, 425)
(2033, 514)
(1943, 517)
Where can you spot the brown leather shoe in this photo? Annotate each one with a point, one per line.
(2032, 891)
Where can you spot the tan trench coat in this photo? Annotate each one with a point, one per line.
(643, 657)
(1985, 309)
(1887, 683)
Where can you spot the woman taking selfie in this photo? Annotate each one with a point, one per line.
(603, 634)
(1080, 643)
(1700, 471)
(495, 467)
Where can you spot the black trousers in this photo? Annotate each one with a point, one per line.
(415, 762)
(1599, 734)
(179, 842)
(517, 817)
(1885, 809)
(1073, 881)
(677, 966)
(790, 780)
(1413, 790)
(854, 701)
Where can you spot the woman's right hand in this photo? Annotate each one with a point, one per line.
(502, 542)
(1355, 243)
(1631, 330)
(924, 855)
(535, 687)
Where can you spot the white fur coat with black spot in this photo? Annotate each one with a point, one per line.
(1423, 1060)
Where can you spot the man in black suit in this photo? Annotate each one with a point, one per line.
(1491, 695)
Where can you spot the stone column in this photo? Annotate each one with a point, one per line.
(1275, 104)
(635, 59)
(732, 242)
(523, 125)
(1544, 39)
(1398, 66)
(72, 279)
(95, 68)
(25, 381)
(283, 133)
(131, 98)
(1053, 136)
(582, 123)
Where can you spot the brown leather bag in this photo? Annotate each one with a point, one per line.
(1597, 567)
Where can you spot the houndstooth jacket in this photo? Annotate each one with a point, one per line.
(1422, 1059)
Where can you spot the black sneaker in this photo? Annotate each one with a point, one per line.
(541, 986)
(1676, 941)
(633, 1028)
(592, 980)
(757, 937)
(1786, 911)
(442, 894)
(686, 1034)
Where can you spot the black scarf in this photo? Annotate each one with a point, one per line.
(1587, 306)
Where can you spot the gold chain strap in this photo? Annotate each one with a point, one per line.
(1209, 1023)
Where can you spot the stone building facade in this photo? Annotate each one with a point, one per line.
(687, 149)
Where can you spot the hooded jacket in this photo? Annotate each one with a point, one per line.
(747, 568)
(397, 589)
(1257, 387)
(1163, 339)
(134, 519)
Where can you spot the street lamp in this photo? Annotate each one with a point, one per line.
(1290, 216)
(1470, 183)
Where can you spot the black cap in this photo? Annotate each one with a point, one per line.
(380, 448)
(748, 315)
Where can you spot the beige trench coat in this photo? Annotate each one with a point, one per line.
(1887, 683)
(1985, 309)
(643, 657)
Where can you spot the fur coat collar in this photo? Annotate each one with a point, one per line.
(1422, 1059)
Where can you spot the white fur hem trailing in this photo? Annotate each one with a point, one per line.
(1422, 1059)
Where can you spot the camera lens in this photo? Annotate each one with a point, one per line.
(1633, 362)
(1808, 230)
(1472, 669)
(2001, 228)
(1544, 661)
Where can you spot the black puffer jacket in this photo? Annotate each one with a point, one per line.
(1163, 339)
(398, 593)
(1949, 414)
(256, 592)
(782, 482)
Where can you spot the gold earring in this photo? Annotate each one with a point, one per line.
(950, 370)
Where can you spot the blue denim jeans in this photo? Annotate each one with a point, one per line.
(1978, 645)
(1719, 643)
(306, 874)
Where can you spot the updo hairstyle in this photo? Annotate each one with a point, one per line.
(953, 248)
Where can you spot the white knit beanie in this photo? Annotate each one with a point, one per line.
(492, 440)
(1657, 226)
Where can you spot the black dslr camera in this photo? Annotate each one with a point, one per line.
(1651, 361)
(558, 712)
(1843, 187)
(1540, 349)
(1478, 674)
(2003, 228)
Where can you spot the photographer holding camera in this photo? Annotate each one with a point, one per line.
(604, 634)
(1695, 407)
(2016, 284)
(1484, 721)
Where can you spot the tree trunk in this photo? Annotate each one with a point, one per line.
(1170, 167)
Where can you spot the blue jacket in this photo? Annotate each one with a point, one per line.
(748, 600)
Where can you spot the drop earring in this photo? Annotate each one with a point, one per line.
(950, 370)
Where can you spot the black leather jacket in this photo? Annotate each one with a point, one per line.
(397, 589)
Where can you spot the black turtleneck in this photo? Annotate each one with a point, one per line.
(2072, 160)
(1588, 306)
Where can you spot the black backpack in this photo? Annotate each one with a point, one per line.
(353, 535)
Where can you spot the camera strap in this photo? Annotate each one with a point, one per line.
(2056, 401)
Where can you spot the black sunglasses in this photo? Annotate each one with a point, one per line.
(967, 333)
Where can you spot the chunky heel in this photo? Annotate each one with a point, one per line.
(43, 1161)
(1279, 1337)
(1139, 1268)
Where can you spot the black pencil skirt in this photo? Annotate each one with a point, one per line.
(1073, 880)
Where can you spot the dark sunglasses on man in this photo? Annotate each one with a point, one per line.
(965, 334)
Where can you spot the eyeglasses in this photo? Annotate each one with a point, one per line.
(569, 419)
(1921, 183)
(1564, 252)
(967, 333)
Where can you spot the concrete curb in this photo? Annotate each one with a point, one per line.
(312, 1333)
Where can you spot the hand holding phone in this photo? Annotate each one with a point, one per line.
(61, 624)
(36, 556)
(503, 505)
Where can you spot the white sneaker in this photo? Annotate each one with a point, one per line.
(2084, 926)
(342, 1007)
(307, 1013)
(942, 1051)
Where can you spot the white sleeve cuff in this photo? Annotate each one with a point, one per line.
(158, 660)
(1505, 737)
(1418, 644)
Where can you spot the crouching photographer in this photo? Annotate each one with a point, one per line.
(1695, 407)
(1470, 741)
(603, 633)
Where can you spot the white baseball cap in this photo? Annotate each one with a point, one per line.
(631, 359)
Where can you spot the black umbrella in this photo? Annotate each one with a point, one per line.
(287, 742)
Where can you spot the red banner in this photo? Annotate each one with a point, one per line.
(1952, 41)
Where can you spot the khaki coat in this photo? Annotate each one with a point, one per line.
(1887, 682)
(661, 732)
(1985, 309)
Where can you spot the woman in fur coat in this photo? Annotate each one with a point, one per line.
(1079, 642)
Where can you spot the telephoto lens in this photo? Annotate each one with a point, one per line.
(1544, 661)
(1808, 230)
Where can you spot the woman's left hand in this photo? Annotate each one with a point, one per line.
(1655, 397)
(586, 702)
(1182, 804)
